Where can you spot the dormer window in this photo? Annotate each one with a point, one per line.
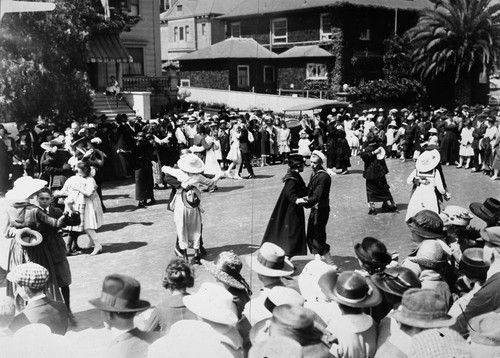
(179, 8)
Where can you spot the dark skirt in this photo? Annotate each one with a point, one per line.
(449, 148)
(144, 183)
(377, 190)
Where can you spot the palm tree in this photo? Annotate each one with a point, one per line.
(459, 40)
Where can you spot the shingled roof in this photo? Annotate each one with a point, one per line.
(254, 7)
(192, 8)
(231, 48)
(305, 51)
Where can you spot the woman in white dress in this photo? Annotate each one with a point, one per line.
(186, 203)
(81, 192)
(284, 141)
(212, 167)
(234, 154)
(427, 179)
(466, 152)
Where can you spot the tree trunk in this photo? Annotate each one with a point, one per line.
(463, 91)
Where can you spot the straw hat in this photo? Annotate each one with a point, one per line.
(350, 288)
(191, 163)
(213, 303)
(487, 211)
(485, 329)
(456, 215)
(28, 238)
(427, 224)
(472, 263)
(270, 261)
(428, 160)
(24, 188)
(120, 293)
(491, 235)
(430, 255)
(396, 280)
(423, 308)
(320, 155)
(226, 268)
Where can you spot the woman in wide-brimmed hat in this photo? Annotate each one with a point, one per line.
(186, 203)
(353, 329)
(372, 255)
(226, 269)
(26, 222)
(427, 179)
(287, 226)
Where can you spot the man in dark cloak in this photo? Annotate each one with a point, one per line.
(286, 227)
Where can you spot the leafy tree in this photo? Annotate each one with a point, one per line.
(397, 85)
(457, 40)
(43, 60)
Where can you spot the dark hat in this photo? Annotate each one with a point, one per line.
(485, 329)
(350, 288)
(491, 235)
(372, 251)
(120, 293)
(423, 308)
(296, 322)
(295, 161)
(472, 264)
(427, 224)
(488, 211)
(396, 280)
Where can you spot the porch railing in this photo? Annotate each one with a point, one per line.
(146, 83)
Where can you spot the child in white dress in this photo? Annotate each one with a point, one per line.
(304, 144)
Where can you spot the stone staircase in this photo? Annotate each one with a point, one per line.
(110, 107)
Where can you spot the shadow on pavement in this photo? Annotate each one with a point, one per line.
(241, 249)
(123, 246)
(225, 189)
(264, 176)
(116, 196)
(118, 226)
(355, 171)
(123, 208)
(402, 206)
(116, 183)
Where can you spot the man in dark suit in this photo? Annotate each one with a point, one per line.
(119, 303)
(224, 142)
(318, 200)
(487, 298)
(478, 134)
(246, 152)
(31, 278)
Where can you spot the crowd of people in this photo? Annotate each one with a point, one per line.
(440, 301)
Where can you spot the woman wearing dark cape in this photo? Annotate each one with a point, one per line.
(286, 227)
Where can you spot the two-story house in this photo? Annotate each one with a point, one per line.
(351, 31)
(190, 25)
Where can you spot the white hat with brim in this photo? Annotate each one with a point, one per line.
(381, 154)
(270, 261)
(24, 188)
(428, 161)
(191, 163)
(28, 238)
(320, 155)
(213, 303)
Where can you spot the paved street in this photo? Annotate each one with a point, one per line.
(140, 242)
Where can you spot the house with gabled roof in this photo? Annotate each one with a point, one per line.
(190, 25)
(236, 64)
(352, 31)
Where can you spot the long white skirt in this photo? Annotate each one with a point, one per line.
(423, 198)
(188, 224)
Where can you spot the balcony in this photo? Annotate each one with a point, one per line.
(155, 85)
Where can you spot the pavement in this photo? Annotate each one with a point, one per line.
(140, 242)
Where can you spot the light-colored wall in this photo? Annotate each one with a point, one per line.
(245, 100)
(204, 40)
(164, 41)
(146, 34)
(190, 43)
